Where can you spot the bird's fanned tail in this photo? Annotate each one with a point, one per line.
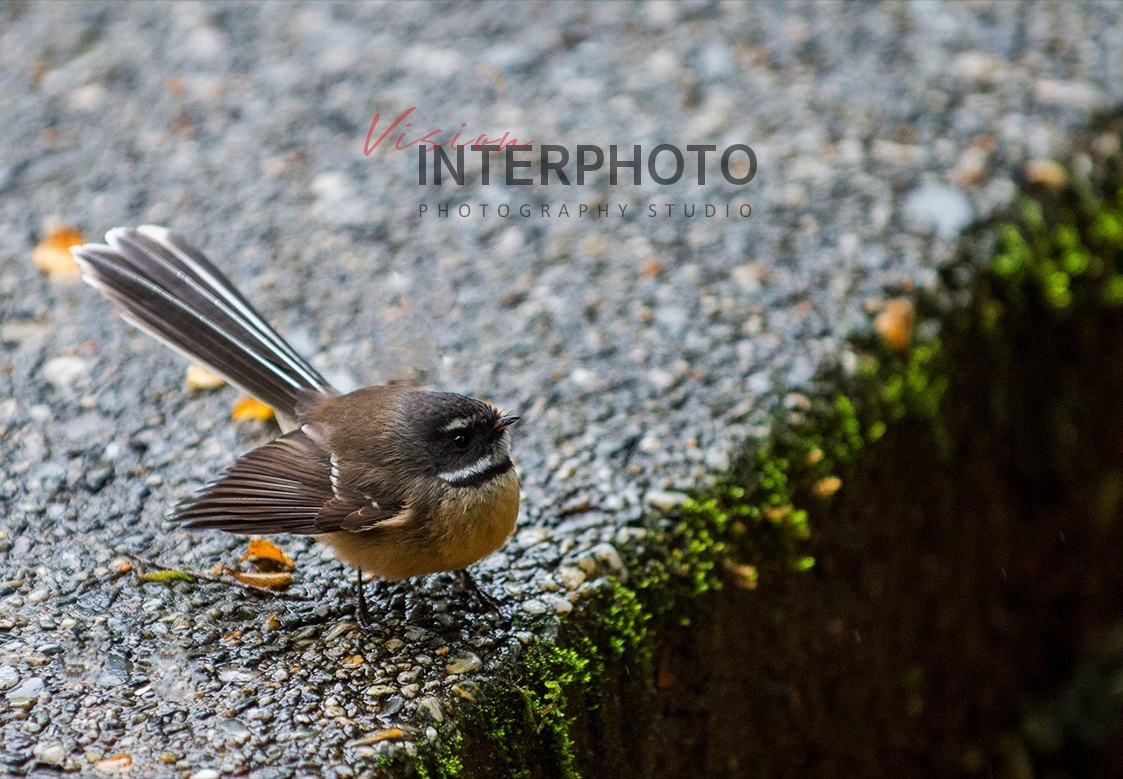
(171, 290)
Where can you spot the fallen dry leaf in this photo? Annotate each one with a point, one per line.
(827, 486)
(1047, 173)
(744, 576)
(52, 255)
(895, 323)
(267, 557)
(386, 734)
(248, 409)
(665, 678)
(354, 661)
(266, 581)
(777, 513)
(199, 378)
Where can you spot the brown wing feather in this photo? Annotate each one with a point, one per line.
(354, 514)
(283, 487)
(276, 488)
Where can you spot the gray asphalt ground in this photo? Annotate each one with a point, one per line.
(640, 351)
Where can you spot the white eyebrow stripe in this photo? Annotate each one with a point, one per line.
(475, 469)
(461, 423)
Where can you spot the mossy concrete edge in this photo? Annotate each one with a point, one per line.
(580, 703)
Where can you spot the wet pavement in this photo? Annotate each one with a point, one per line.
(642, 341)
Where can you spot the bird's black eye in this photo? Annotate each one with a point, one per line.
(460, 442)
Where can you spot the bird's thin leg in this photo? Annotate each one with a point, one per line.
(361, 610)
(469, 584)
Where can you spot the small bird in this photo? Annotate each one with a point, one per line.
(399, 481)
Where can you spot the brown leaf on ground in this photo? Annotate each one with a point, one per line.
(52, 255)
(265, 581)
(267, 557)
(387, 734)
(248, 409)
(895, 323)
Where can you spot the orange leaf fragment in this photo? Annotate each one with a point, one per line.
(664, 678)
(248, 409)
(52, 254)
(386, 734)
(744, 576)
(266, 581)
(267, 556)
(827, 486)
(895, 323)
(1047, 173)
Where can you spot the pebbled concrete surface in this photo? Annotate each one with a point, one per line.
(640, 351)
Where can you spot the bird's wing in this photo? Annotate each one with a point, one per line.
(355, 510)
(289, 485)
(277, 488)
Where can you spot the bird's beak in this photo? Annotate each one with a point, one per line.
(505, 422)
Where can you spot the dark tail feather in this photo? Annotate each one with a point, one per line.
(172, 291)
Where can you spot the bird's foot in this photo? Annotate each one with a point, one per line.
(362, 611)
(468, 584)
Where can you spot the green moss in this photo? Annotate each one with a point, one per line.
(1053, 254)
(571, 703)
(444, 762)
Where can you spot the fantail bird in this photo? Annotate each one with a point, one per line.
(399, 481)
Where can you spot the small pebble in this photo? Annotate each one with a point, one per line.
(1074, 94)
(560, 605)
(940, 207)
(62, 372)
(341, 628)
(570, 577)
(27, 691)
(9, 677)
(665, 499)
(531, 536)
(431, 707)
(535, 606)
(469, 691)
(464, 663)
(609, 559)
(51, 753)
(414, 633)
